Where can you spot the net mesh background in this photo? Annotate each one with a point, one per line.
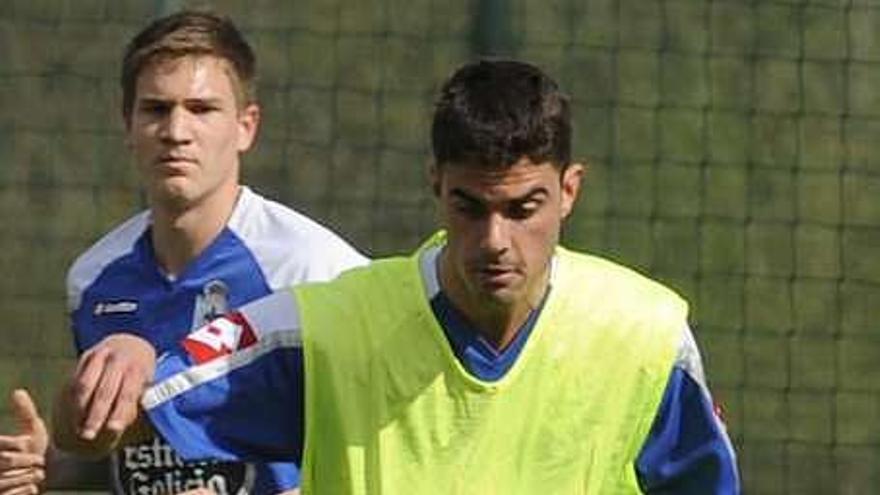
(731, 147)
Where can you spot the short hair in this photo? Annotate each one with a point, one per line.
(189, 32)
(492, 113)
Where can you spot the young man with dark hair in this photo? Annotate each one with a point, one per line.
(206, 245)
(492, 360)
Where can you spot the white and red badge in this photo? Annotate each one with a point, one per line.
(220, 337)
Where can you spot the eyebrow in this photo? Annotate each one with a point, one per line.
(158, 100)
(529, 195)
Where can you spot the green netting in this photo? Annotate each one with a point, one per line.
(731, 146)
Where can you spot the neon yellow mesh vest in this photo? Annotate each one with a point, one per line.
(390, 410)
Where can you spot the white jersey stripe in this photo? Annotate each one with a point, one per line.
(192, 377)
(689, 361)
(688, 358)
(276, 312)
(307, 250)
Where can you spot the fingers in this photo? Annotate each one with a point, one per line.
(35, 437)
(26, 411)
(82, 386)
(110, 380)
(21, 488)
(22, 457)
(27, 490)
(16, 443)
(19, 460)
(125, 408)
(96, 391)
(21, 481)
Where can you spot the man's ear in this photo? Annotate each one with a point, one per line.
(571, 186)
(248, 125)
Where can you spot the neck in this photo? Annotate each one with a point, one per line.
(182, 233)
(499, 327)
(497, 322)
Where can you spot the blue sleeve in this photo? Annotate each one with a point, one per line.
(246, 406)
(687, 450)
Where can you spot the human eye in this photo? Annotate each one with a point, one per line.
(522, 210)
(469, 209)
(202, 107)
(156, 108)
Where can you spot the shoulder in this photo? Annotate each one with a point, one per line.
(615, 283)
(289, 246)
(109, 248)
(383, 279)
(629, 309)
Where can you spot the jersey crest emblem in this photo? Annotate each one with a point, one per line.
(211, 304)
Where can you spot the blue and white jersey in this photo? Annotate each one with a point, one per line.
(197, 400)
(117, 285)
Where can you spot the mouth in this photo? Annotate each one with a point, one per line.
(495, 277)
(172, 165)
(170, 159)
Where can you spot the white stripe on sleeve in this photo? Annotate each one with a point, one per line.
(275, 321)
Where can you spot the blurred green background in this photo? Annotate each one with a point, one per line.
(732, 147)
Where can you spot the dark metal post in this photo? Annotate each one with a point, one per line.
(492, 34)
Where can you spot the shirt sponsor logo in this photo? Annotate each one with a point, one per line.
(221, 337)
(115, 307)
(154, 468)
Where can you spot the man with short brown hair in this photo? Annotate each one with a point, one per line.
(206, 245)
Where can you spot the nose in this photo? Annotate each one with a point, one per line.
(496, 238)
(175, 127)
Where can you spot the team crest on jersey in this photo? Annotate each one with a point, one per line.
(211, 304)
(221, 337)
(115, 307)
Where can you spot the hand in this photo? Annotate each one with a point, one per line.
(23, 456)
(105, 390)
